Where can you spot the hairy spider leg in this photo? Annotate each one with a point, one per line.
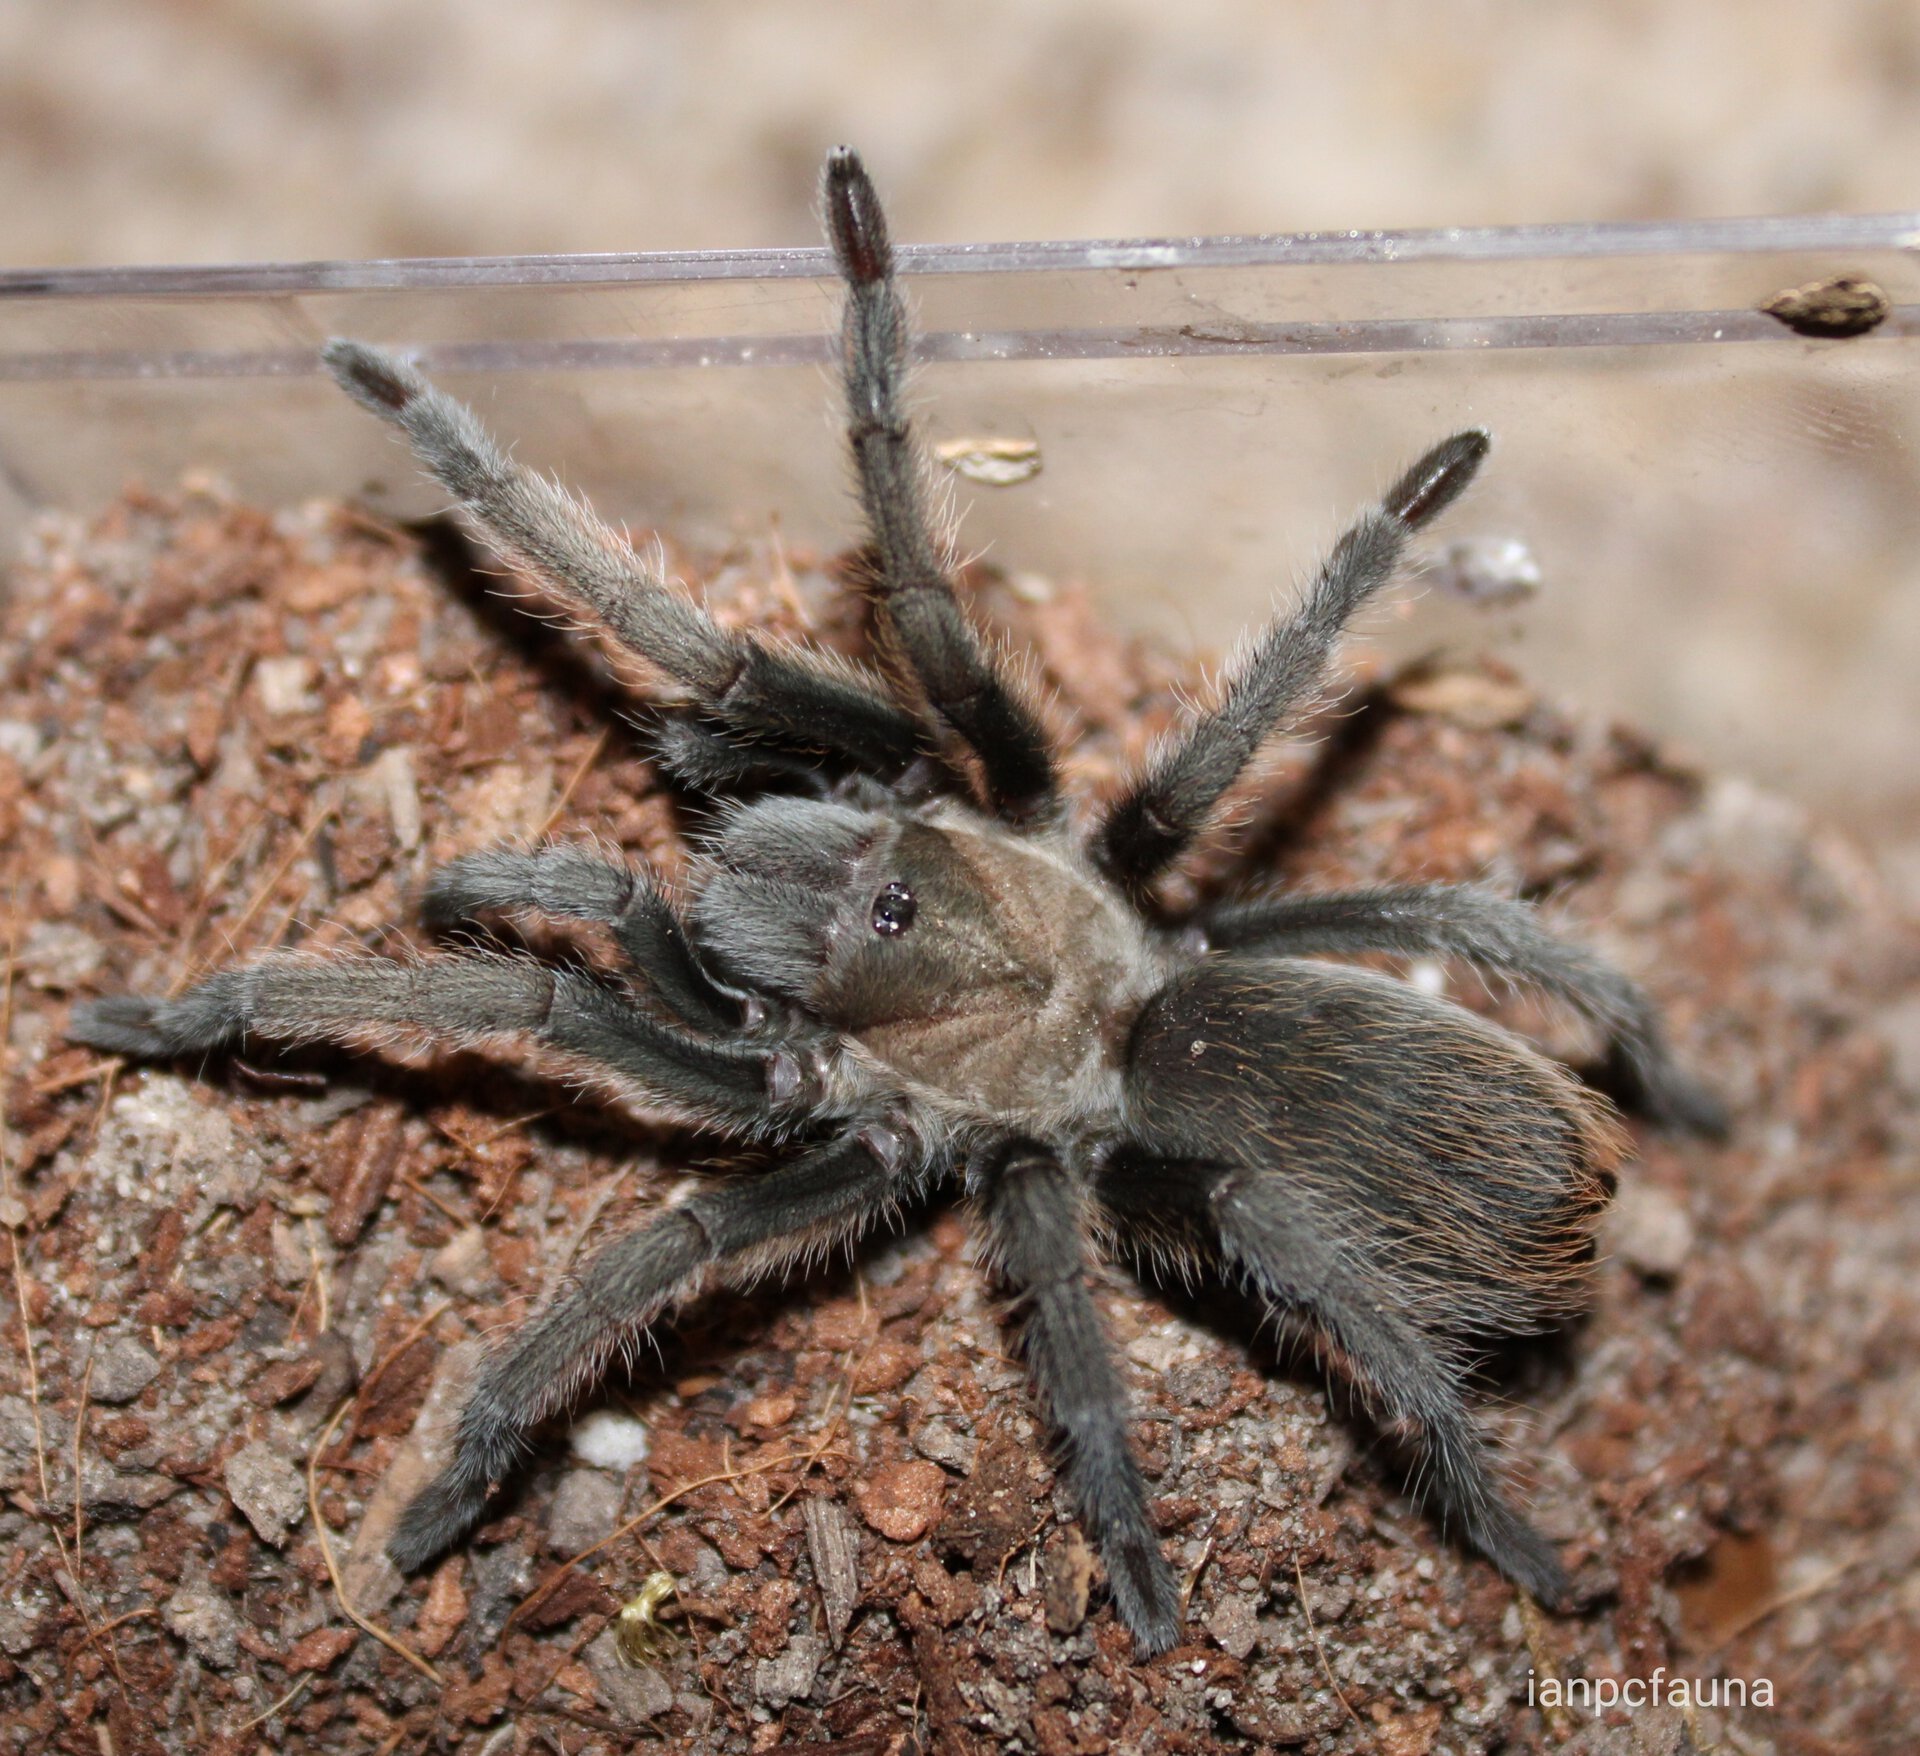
(1158, 816)
(1463, 921)
(758, 691)
(749, 1227)
(753, 1089)
(962, 682)
(706, 760)
(574, 883)
(1035, 1230)
(1254, 1223)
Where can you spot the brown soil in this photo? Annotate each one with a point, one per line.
(245, 1292)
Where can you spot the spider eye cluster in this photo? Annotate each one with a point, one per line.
(893, 910)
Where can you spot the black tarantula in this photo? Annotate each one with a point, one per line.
(908, 964)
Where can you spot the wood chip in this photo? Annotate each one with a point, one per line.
(833, 1546)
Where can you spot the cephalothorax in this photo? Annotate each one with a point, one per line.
(906, 965)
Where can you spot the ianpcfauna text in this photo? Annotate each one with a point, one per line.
(1598, 1694)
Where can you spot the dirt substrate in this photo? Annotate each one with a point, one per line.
(245, 1292)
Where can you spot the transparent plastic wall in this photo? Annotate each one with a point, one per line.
(1700, 489)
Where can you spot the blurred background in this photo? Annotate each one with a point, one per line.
(1728, 551)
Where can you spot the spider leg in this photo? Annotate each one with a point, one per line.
(1032, 1210)
(704, 759)
(784, 695)
(570, 881)
(467, 999)
(828, 1196)
(1161, 812)
(1446, 920)
(1263, 1231)
(961, 680)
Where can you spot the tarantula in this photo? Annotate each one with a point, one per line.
(907, 962)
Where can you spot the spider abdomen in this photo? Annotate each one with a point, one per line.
(1464, 1168)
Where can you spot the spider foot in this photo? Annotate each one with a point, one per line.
(855, 220)
(436, 1518)
(151, 1030)
(377, 380)
(1144, 1591)
(122, 1024)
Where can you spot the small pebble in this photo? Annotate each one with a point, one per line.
(609, 1439)
(321, 1649)
(789, 1677)
(1649, 1230)
(903, 1500)
(204, 1619)
(1235, 1625)
(21, 740)
(770, 1411)
(585, 1508)
(462, 1264)
(284, 685)
(59, 956)
(268, 1490)
(944, 1443)
(634, 1693)
(121, 1370)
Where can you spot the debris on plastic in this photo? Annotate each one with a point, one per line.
(1841, 305)
(993, 463)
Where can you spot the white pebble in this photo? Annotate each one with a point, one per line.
(609, 1439)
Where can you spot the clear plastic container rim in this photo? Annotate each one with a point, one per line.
(1834, 236)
